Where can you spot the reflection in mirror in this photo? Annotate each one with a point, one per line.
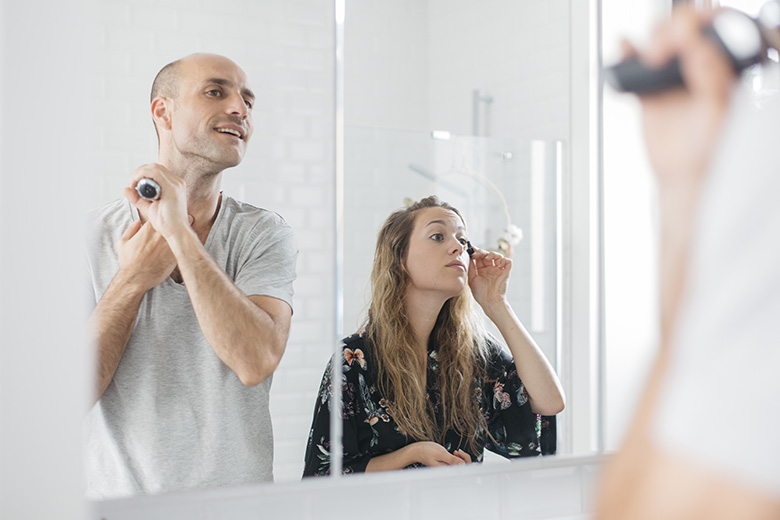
(285, 49)
(506, 190)
(495, 82)
(423, 383)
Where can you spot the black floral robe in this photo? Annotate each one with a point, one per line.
(370, 431)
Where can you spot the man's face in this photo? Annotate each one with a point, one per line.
(211, 115)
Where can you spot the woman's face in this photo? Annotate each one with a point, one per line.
(437, 259)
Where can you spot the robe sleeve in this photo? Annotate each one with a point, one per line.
(514, 430)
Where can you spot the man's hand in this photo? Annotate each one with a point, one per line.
(682, 125)
(144, 256)
(168, 215)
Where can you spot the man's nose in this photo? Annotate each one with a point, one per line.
(237, 105)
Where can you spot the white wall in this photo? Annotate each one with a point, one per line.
(386, 64)
(515, 51)
(47, 129)
(413, 64)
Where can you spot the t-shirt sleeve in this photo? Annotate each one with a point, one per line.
(269, 268)
(514, 429)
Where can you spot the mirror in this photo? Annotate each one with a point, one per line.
(496, 77)
(286, 50)
(471, 102)
(131, 40)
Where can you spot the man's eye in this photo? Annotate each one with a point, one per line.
(214, 93)
(248, 103)
(463, 241)
(438, 237)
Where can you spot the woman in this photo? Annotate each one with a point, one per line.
(424, 384)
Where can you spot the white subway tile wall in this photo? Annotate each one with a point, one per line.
(286, 49)
(413, 65)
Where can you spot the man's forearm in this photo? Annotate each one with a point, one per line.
(677, 208)
(246, 338)
(110, 327)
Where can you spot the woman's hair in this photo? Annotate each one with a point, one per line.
(458, 336)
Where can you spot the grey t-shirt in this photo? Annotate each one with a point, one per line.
(174, 416)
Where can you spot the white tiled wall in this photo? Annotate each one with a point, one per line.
(286, 49)
(413, 64)
(515, 51)
(386, 64)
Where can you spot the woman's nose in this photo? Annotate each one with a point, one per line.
(458, 247)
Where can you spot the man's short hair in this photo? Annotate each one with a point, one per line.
(166, 83)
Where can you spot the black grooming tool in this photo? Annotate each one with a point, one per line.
(741, 38)
(470, 249)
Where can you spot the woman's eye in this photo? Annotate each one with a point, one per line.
(438, 237)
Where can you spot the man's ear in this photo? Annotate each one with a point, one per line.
(161, 112)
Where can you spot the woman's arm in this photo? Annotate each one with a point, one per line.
(488, 277)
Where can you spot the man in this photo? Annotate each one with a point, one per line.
(703, 444)
(193, 300)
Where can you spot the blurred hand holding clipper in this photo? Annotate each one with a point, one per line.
(744, 40)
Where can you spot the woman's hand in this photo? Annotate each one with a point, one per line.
(427, 453)
(488, 276)
(433, 454)
(463, 455)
